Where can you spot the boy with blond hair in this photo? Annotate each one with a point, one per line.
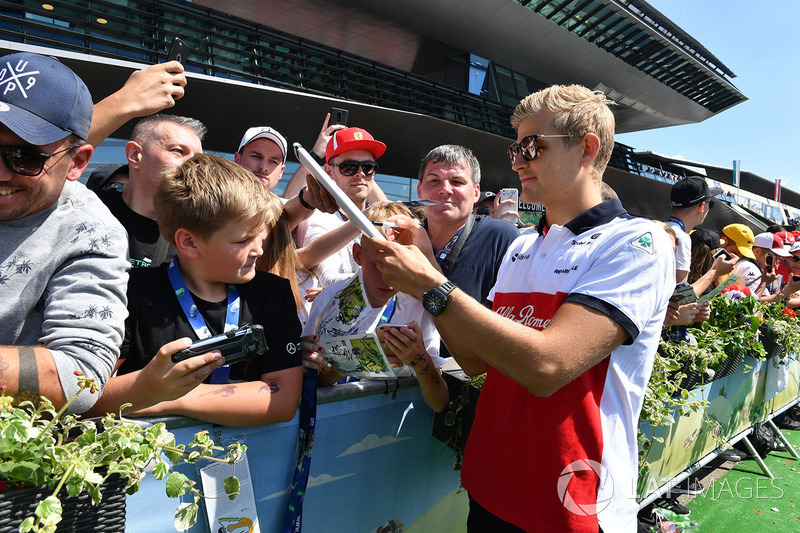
(214, 213)
(363, 302)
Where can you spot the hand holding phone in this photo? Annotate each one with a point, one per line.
(338, 116)
(508, 202)
(178, 51)
(236, 345)
(769, 262)
(722, 252)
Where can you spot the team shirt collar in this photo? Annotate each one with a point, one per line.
(596, 216)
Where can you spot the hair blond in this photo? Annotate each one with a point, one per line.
(208, 191)
(577, 111)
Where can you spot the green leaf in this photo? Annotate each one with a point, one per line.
(26, 525)
(231, 486)
(49, 510)
(160, 470)
(185, 516)
(74, 485)
(176, 485)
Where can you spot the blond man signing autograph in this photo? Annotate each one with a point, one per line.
(569, 345)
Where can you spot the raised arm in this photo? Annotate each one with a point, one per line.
(146, 92)
(298, 179)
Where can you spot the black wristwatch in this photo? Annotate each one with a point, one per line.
(435, 299)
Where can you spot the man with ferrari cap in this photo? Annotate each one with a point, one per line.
(63, 265)
(350, 161)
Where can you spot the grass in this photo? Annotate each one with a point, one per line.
(745, 499)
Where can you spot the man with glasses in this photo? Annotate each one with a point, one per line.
(569, 347)
(691, 200)
(63, 267)
(350, 161)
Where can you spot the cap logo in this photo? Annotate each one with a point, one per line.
(357, 135)
(11, 78)
(4, 107)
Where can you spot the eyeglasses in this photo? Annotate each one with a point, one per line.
(795, 259)
(27, 161)
(710, 204)
(527, 145)
(350, 168)
(483, 211)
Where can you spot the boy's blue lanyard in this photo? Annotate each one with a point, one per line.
(443, 253)
(293, 517)
(679, 222)
(196, 320)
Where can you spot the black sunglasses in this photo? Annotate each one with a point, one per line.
(527, 145)
(27, 161)
(795, 259)
(350, 168)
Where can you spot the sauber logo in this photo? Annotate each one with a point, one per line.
(526, 316)
(15, 77)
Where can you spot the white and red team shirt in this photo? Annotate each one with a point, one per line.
(569, 462)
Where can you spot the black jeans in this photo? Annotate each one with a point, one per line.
(482, 521)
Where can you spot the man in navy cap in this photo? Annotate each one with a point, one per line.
(691, 200)
(63, 267)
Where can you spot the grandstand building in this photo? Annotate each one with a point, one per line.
(413, 72)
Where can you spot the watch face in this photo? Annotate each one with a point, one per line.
(434, 303)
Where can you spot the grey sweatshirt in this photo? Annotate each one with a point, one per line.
(63, 277)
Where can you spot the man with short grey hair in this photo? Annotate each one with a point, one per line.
(158, 142)
(469, 248)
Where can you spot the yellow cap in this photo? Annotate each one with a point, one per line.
(743, 237)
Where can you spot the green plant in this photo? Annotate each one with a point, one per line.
(41, 446)
(733, 325)
(782, 323)
(664, 395)
(454, 416)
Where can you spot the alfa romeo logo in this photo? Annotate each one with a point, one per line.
(583, 508)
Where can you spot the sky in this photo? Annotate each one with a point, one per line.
(760, 43)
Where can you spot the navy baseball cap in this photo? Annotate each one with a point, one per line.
(42, 100)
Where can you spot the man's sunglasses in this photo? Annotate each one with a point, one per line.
(527, 145)
(27, 161)
(795, 259)
(350, 168)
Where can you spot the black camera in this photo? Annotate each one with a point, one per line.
(235, 345)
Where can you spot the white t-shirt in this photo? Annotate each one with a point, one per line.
(339, 266)
(683, 255)
(750, 273)
(335, 314)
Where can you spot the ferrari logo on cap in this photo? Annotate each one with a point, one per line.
(357, 135)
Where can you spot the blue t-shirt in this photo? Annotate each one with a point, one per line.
(475, 269)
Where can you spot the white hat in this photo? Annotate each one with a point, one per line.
(771, 242)
(795, 247)
(263, 132)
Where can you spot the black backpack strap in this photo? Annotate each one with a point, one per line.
(450, 261)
